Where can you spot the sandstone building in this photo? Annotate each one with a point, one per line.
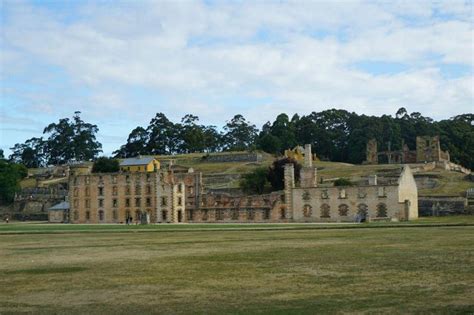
(428, 149)
(173, 194)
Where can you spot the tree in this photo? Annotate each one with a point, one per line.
(192, 135)
(10, 176)
(255, 182)
(31, 153)
(163, 136)
(105, 165)
(1, 154)
(239, 134)
(71, 140)
(276, 172)
(136, 144)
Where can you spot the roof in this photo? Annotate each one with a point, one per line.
(60, 206)
(137, 161)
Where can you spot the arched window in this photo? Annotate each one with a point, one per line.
(307, 211)
(282, 213)
(343, 210)
(382, 210)
(76, 215)
(88, 215)
(101, 215)
(137, 215)
(362, 210)
(325, 211)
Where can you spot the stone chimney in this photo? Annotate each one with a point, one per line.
(373, 180)
(308, 156)
(289, 178)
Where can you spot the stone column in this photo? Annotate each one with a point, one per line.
(308, 156)
(289, 178)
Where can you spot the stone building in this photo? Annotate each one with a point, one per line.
(428, 149)
(175, 194)
(145, 197)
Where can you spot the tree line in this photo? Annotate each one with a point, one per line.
(336, 135)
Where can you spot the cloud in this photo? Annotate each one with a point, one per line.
(272, 57)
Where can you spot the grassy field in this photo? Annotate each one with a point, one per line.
(418, 267)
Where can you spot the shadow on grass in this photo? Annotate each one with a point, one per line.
(42, 271)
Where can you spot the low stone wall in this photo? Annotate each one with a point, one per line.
(441, 205)
(239, 157)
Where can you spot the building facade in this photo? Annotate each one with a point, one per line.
(175, 194)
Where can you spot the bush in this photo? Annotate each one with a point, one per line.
(343, 182)
(105, 165)
(255, 182)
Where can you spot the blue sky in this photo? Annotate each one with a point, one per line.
(121, 62)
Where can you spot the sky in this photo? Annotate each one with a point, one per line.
(121, 62)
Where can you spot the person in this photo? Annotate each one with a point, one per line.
(6, 219)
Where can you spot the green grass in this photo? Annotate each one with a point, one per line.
(239, 270)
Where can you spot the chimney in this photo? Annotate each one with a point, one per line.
(308, 156)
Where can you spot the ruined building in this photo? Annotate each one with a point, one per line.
(176, 194)
(427, 150)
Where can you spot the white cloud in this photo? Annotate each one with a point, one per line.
(199, 55)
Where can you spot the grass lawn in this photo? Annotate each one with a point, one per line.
(421, 268)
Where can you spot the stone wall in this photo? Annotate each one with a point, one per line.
(439, 206)
(235, 157)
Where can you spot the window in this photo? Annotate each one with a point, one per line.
(324, 194)
(307, 211)
(76, 192)
(76, 215)
(190, 215)
(101, 191)
(148, 177)
(115, 214)
(205, 215)
(127, 190)
(164, 201)
(235, 214)
(114, 190)
(266, 214)
(88, 215)
(138, 190)
(361, 193)
(114, 203)
(219, 215)
(101, 203)
(75, 181)
(362, 210)
(138, 215)
(343, 210)
(88, 192)
(342, 194)
(101, 215)
(127, 178)
(381, 192)
(127, 215)
(137, 202)
(164, 215)
(180, 188)
(190, 190)
(87, 180)
(148, 189)
(76, 203)
(127, 202)
(101, 180)
(325, 211)
(148, 202)
(88, 203)
(250, 214)
(114, 179)
(381, 210)
(180, 201)
(139, 168)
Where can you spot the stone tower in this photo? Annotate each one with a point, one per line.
(289, 178)
(371, 153)
(308, 174)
